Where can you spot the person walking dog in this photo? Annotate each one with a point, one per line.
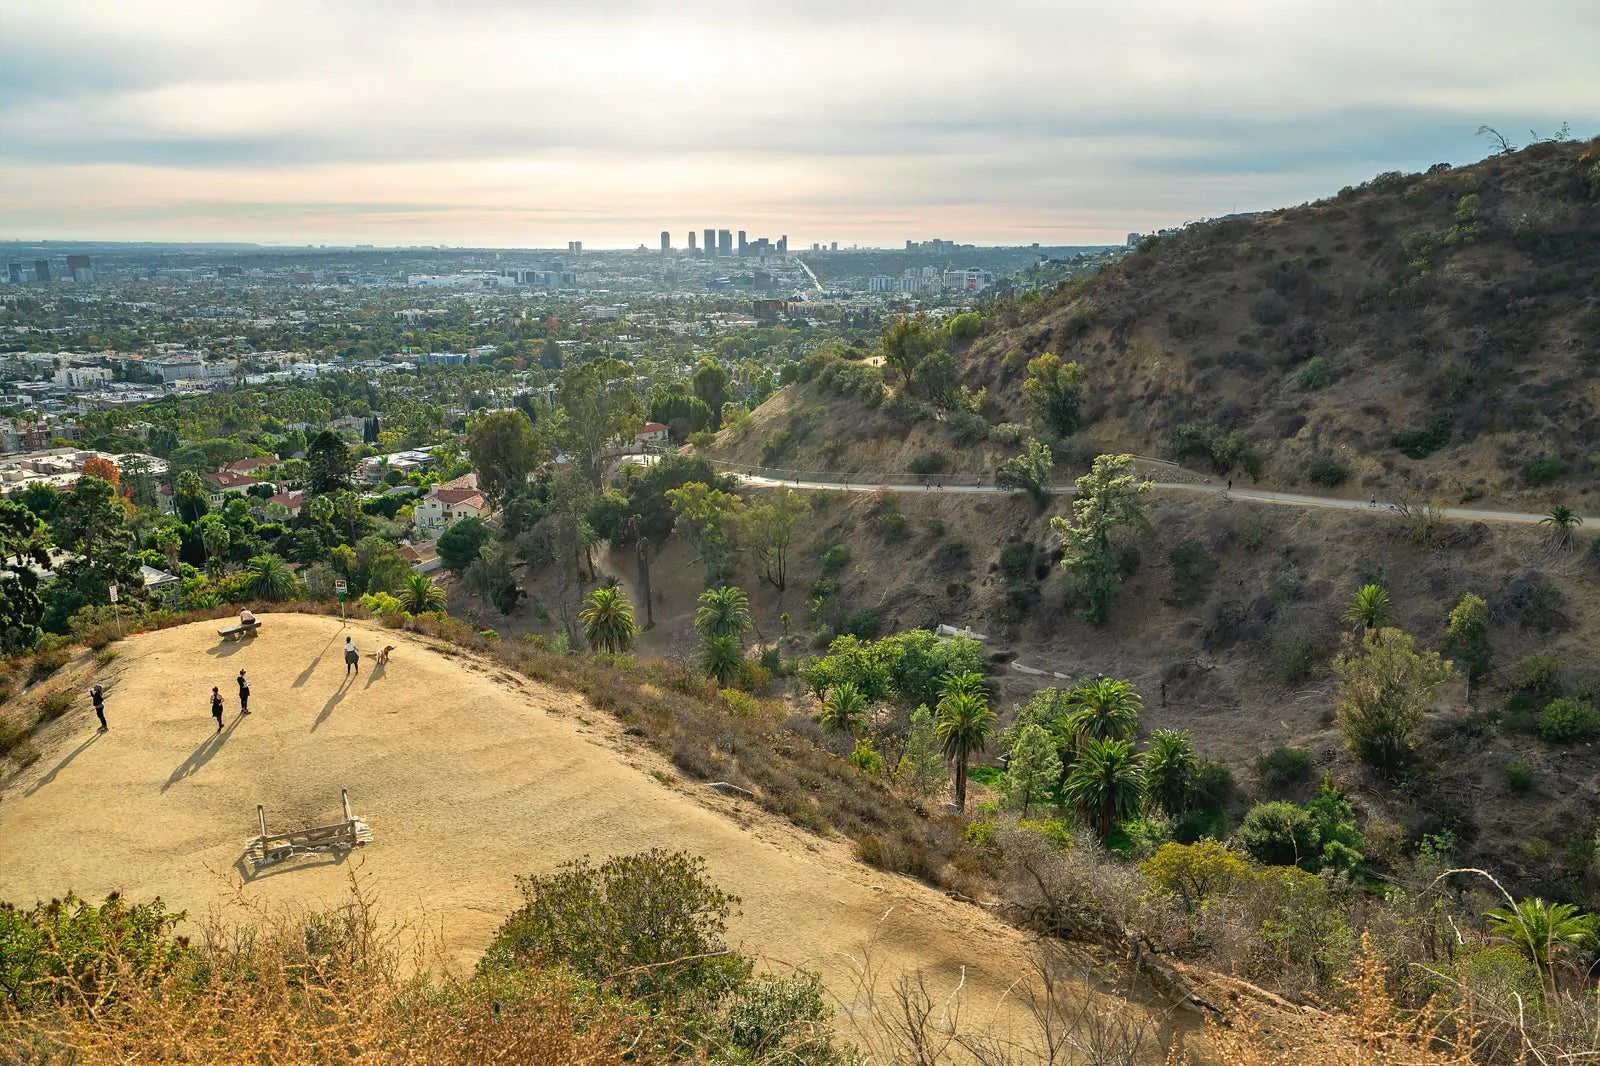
(352, 658)
(98, 695)
(216, 707)
(244, 694)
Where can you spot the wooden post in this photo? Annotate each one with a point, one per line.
(261, 816)
(344, 798)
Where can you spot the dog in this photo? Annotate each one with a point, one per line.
(383, 656)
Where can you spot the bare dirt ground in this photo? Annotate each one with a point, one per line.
(468, 776)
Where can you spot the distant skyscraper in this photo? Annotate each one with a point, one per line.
(833, 246)
(666, 242)
(711, 242)
(744, 245)
(41, 270)
(80, 268)
(575, 247)
(691, 241)
(724, 243)
(14, 272)
(783, 245)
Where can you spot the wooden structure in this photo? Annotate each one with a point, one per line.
(241, 630)
(268, 848)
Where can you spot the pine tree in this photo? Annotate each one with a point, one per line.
(921, 766)
(1033, 768)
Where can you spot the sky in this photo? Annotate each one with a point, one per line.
(532, 123)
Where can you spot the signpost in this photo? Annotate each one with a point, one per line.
(341, 590)
(111, 592)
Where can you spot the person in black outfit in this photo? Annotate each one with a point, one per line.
(216, 707)
(98, 695)
(244, 694)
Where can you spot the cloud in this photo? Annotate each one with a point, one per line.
(870, 122)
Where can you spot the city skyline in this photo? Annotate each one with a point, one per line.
(499, 124)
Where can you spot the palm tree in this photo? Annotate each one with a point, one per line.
(1106, 782)
(1103, 709)
(319, 509)
(1542, 931)
(1369, 608)
(1562, 520)
(962, 729)
(844, 709)
(270, 579)
(723, 612)
(420, 595)
(1170, 766)
(967, 683)
(168, 540)
(215, 539)
(722, 659)
(607, 619)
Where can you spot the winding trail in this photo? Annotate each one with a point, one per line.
(973, 485)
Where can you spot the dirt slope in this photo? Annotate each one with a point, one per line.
(468, 777)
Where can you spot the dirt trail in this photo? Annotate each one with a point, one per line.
(468, 776)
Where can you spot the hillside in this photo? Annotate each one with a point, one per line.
(468, 776)
(1434, 334)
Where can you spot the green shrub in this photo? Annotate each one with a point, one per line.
(1519, 776)
(12, 737)
(965, 326)
(1278, 834)
(1317, 373)
(1543, 470)
(45, 663)
(967, 427)
(892, 526)
(927, 464)
(863, 623)
(1009, 434)
(1193, 569)
(1326, 470)
(53, 705)
(58, 950)
(836, 558)
(1421, 443)
(1283, 766)
(1569, 721)
(935, 528)
(1016, 559)
(982, 833)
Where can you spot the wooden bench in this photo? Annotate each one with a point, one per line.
(241, 630)
(268, 848)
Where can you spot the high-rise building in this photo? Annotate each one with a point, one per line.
(666, 242)
(691, 242)
(833, 246)
(80, 268)
(783, 244)
(711, 243)
(744, 245)
(724, 243)
(14, 273)
(41, 270)
(575, 247)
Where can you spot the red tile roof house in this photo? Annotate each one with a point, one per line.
(289, 501)
(250, 466)
(227, 481)
(441, 506)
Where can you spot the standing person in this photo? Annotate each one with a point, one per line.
(216, 707)
(352, 658)
(244, 694)
(98, 695)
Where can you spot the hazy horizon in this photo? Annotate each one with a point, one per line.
(490, 123)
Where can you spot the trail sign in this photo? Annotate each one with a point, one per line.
(112, 592)
(340, 589)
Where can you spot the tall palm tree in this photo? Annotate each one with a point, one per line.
(966, 683)
(962, 728)
(1562, 520)
(723, 612)
(844, 709)
(1170, 767)
(1542, 931)
(420, 595)
(168, 540)
(722, 659)
(1103, 709)
(1106, 782)
(270, 579)
(1369, 608)
(607, 620)
(215, 539)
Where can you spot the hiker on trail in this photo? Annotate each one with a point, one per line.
(216, 707)
(98, 695)
(1230, 486)
(352, 658)
(244, 694)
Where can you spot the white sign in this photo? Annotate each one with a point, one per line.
(338, 586)
(113, 591)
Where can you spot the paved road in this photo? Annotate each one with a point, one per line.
(1282, 499)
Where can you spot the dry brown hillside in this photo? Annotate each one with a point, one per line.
(1434, 333)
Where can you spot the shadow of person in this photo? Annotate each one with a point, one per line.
(333, 701)
(201, 755)
(62, 765)
(377, 672)
(305, 675)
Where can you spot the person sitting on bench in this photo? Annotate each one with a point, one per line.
(246, 618)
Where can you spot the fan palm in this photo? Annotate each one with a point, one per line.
(1170, 767)
(215, 539)
(420, 595)
(607, 620)
(723, 612)
(1106, 783)
(1562, 520)
(721, 659)
(962, 729)
(844, 709)
(168, 540)
(966, 683)
(1541, 930)
(1369, 608)
(270, 579)
(1103, 709)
